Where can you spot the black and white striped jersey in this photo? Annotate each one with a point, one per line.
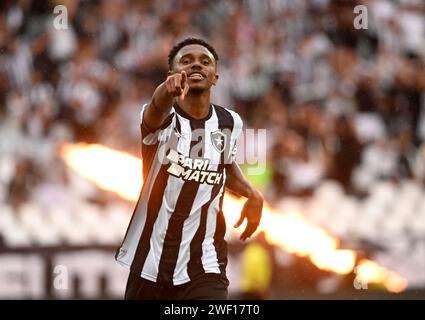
(177, 229)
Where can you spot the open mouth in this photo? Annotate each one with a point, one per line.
(196, 76)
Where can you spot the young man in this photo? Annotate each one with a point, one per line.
(175, 245)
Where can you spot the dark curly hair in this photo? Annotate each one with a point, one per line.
(186, 42)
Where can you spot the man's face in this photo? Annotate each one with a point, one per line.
(199, 64)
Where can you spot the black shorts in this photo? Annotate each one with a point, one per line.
(209, 286)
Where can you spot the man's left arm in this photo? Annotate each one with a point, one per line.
(236, 182)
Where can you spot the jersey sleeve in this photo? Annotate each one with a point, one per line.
(152, 138)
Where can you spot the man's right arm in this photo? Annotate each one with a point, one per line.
(163, 98)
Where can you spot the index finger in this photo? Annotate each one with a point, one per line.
(184, 77)
(183, 94)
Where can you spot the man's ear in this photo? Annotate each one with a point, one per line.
(215, 79)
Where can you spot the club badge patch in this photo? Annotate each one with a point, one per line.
(219, 140)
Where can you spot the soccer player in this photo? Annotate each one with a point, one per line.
(175, 245)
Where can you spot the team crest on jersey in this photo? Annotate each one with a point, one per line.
(219, 140)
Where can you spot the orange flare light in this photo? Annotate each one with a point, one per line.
(121, 173)
(109, 169)
(370, 272)
(294, 234)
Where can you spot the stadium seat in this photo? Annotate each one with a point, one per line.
(383, 191)
(329, 191)
(16, 236)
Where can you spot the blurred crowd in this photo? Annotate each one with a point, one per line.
(344, 109)
(338, 102)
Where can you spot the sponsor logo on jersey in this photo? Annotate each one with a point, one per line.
(192, 169)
